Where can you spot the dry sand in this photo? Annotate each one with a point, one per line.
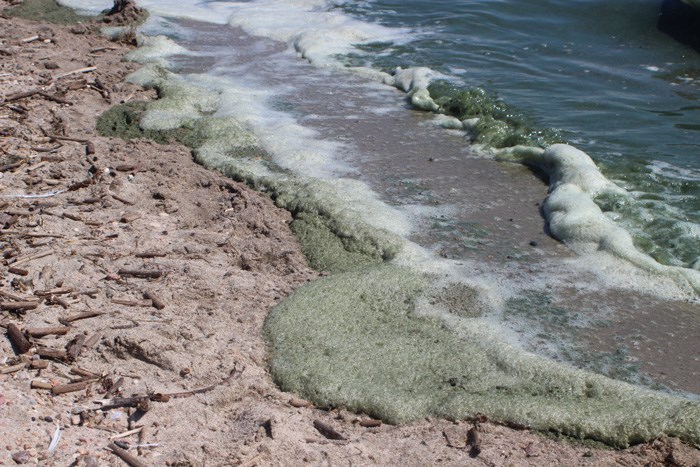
(135, 220)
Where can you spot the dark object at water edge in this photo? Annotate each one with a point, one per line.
(680, 21)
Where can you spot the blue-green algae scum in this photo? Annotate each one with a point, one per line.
(504, 195)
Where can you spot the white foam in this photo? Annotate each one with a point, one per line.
(577, 220)
(155, 49)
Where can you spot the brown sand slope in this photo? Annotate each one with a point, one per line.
(172, 269)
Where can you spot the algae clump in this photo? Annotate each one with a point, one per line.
(360, 340)
(45, 10)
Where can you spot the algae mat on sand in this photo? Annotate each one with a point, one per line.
(45, 10)
(355, 340)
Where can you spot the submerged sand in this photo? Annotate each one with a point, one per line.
(136, 217)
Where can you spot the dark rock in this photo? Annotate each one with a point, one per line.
(21, 457)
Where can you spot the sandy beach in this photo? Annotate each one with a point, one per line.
(135, 286)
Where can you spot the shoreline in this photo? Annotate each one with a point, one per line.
(231, 244)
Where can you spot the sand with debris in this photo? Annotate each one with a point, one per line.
(173, 269)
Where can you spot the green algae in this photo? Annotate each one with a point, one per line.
(496, 124)
(333, 237)
(326, 251)
(356, 340)
(45, 10)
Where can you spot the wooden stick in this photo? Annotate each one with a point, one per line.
(143, 303)
(92, 340)
(150, 254)
(59, 291)
(141, 274)
(82, 372)
(52, 353)
(17, 298)
(26, 259)
(39, 364)
(42, 332)
(126, 433)
(158, 304)
(125, 456)
(83, 315)
(122, 199)
(12, 369)
(17, 338)
(370, 423)
(72, 387)
(327, 430)
(18, 306)
(68, 138)
(39, 384)
(74, 72)
(18, 271)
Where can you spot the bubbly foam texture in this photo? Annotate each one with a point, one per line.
(578, 221)
(154, 49)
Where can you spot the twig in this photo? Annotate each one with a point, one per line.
(74, 72)
(17, 338)
(12, 369)
(32, 196)
(72, 387)
(67, 138)
(125, 456)
(327, 430)
(234, 374)
(42, 332)
(52, 353)
(83, 315)
(158, 304)
(18, 306)
(59, 291)
(141, 274)
(126, 433)
(39, 384)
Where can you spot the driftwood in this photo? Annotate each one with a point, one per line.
(158, 304)
(125, 456)
(17, 338)
(18, 306)
(327, 430)
(79, 316)
(42, 332)
(72, 387)
(39, 384)
(141, 274)
(39, 364)
(12, 369)
(54, 354)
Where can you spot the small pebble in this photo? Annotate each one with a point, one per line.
(533, 243)
(50, 65)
